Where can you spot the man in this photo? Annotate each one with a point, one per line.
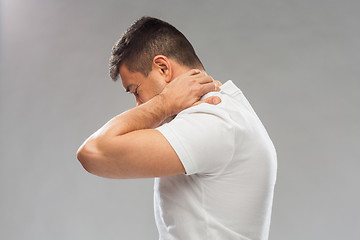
(214, 164)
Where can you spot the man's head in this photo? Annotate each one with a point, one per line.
(149, 55)
(147, 38)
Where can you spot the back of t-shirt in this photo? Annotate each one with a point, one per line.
(230, 165)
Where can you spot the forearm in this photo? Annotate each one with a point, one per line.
(146, 116)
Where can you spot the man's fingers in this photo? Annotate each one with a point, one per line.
(217, 86)
(193, 72)
(214, 100)
(205, 79)
(218, 83)
(209, 87)
(201, 76)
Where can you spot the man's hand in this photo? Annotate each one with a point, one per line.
(187, 89)
(214, 99)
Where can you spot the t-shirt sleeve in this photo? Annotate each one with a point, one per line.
(202, 137)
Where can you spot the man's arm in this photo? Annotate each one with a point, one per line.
(128, 146)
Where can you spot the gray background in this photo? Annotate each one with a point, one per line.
(296, 61)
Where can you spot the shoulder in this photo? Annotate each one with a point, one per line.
(203, 137)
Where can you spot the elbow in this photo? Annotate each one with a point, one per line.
(95, 161)
(86, 154)
(83, 158)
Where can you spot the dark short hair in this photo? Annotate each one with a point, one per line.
(145, 39)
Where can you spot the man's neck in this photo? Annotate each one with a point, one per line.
(179, 69)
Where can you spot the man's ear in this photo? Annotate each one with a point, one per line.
(162, 66)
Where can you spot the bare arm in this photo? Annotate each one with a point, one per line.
(128, 147)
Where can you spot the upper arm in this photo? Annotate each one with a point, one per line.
(138, 154)
(203, 137)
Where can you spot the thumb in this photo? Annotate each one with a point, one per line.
(214, 100)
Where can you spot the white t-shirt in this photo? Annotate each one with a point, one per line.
(230, 165)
